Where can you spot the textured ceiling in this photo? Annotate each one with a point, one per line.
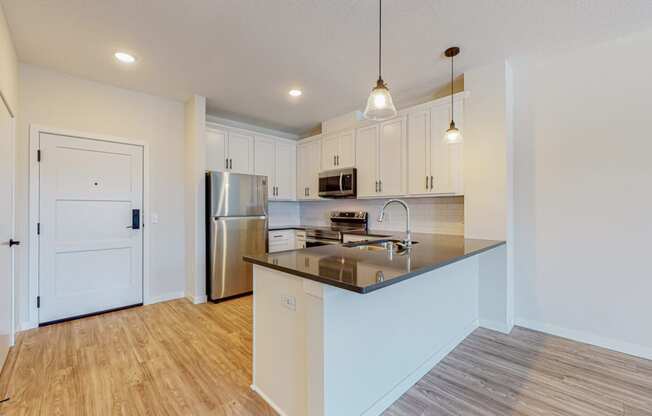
(244, 55)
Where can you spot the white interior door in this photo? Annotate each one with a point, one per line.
(90, 257)
(241, 153)
(6, 231)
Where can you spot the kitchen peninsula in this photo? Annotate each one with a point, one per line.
(346, 329)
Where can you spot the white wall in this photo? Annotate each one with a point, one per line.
(486, 186)
(443, 215)
(195, 193)
(583, 199)
(56, 100)
(8, 66)
(284, 213)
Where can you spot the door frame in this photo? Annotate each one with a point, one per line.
(35, 131)
(12, 140)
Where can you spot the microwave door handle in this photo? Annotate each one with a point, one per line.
(341, 183)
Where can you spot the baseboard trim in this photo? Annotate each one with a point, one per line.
(496, 326)
(404, 385)
(26, 326)
(165, 297)
(269, 401)
(197, 299)
(588, 338)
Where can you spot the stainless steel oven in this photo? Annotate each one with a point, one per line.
(340, 183)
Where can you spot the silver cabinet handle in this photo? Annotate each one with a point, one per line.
(338, 160)
(431, 183)
(426, 182)
(380, 183)
(231, 163)
(227, 162)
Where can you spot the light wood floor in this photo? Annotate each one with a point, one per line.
(176, 358)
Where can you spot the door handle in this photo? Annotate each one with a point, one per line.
(13, 242)
(135, 219)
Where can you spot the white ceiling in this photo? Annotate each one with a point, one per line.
(244, 55)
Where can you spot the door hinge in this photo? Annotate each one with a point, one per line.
(38, 301)
(38, 155)
(38, 228)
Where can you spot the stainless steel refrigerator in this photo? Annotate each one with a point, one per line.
(236, 211)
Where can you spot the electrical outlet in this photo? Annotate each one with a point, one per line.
(154, 218)
(289, 302)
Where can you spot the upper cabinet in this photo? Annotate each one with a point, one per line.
(381, 159)
(434, 164)
(338, 151)
(276, 159)
(229, 151)
(308, 166)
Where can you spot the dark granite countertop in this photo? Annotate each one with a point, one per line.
(364, 271)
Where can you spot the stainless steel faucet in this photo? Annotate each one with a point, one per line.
(408, 234)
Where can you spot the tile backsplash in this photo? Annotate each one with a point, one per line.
(444, 215)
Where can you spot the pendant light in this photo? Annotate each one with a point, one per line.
(453, 133)
(380, 105)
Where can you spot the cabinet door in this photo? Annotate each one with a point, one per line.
(418, 142)
(241, 153)
(366, 148)
(346, 156)
(314, 169)
(264, 162)
(329, 150)
(440, 150)
(285, 171)
(215, 149)
(303, 170)
(390, 161)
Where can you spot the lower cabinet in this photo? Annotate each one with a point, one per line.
(282, 240)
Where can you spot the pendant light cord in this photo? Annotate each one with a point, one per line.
(380, 37)
(452, 106)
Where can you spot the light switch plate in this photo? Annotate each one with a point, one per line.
(289, 302)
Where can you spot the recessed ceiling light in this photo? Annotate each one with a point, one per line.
(125, 57)
(295, 93)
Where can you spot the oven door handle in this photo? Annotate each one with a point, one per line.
(341, 183)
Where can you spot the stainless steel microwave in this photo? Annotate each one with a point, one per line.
(339, 183)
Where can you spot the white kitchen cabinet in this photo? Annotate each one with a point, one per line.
(338, 151)
(275, 159)
(380, 158)
(434, 165)
(391, 152)
(308, 167)
(229, 151)
(281, 240)
(286, 171)
(367, 161)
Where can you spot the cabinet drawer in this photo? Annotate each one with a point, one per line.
(280, 235)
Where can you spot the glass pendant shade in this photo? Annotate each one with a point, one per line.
(453, 133)
(379, 104)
